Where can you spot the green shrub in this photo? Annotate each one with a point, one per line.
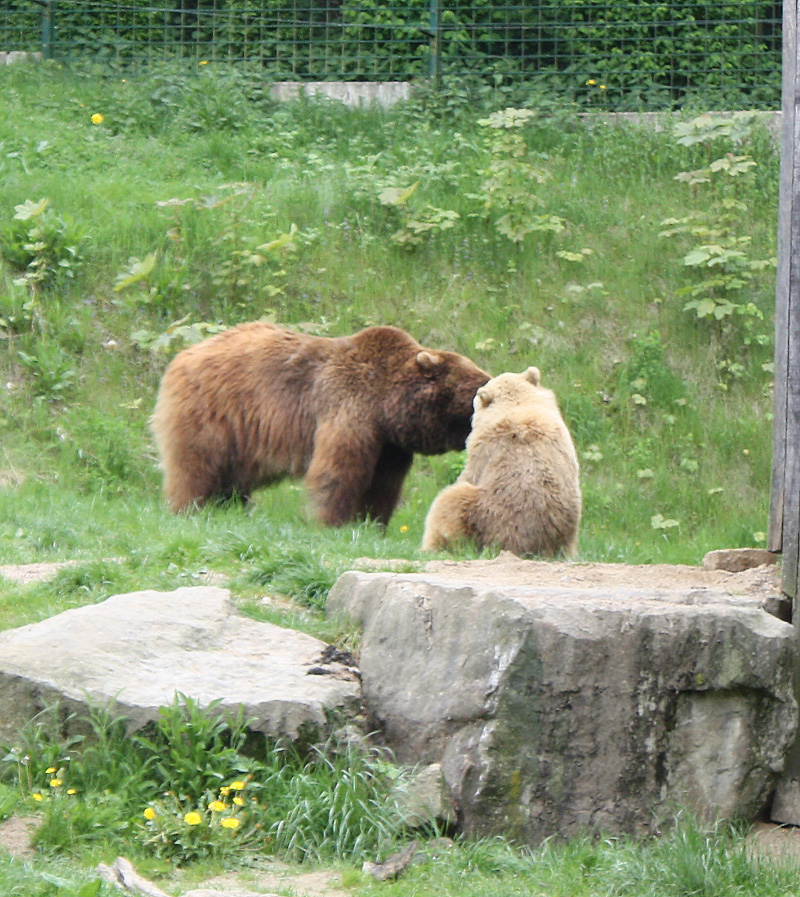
(40, 246)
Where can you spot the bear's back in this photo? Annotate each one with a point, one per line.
(522, 458)
(254, 357)
(247, 392)
(528, 499)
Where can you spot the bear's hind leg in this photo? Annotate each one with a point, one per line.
(191, 482)
(451, 517)
(184, 494)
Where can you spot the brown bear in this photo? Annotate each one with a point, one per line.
(520, 487)
(258, 403)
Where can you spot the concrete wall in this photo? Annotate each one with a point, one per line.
(351, 93)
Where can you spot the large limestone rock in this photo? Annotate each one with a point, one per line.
(137, 651)
(576, 705)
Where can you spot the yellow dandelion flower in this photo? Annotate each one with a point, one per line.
(230, 822)
(193, 818)
(237, 786)
(225, 791)
(403, 529)
(71, 791)
(591, 82)
(56, 783)
(203, 62)
(50, 770)
(602, 87)
(97, 119)
(217, 806)
(37, 796)
(238, 801)
(149, 813)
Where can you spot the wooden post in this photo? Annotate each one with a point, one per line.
(784, 522)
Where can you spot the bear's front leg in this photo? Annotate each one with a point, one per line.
(383, 493)
(340, 472)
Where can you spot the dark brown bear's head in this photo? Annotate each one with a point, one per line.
(431, 402)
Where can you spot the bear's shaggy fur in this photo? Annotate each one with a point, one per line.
(520, 488)
(258, 403)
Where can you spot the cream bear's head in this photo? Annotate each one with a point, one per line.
(510, 388)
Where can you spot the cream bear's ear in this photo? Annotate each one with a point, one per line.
(482, 398)
(428, 362)
(533, 375)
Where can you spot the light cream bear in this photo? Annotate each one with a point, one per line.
(520, 489)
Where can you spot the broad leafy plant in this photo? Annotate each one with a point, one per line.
(508, 191)
(725, 273)
(40, 245)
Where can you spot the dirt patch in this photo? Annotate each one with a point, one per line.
(16, 833)
(761, 584)
(318, 883)
(508, 569)
(26, 573)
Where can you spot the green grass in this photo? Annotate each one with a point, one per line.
(689, 860)
(671, 414)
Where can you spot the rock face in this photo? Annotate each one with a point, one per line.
(561, 709)
(137, 651)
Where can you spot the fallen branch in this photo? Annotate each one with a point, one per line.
(123, 875)
(393, 866)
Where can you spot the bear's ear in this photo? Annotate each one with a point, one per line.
(533, 375)
(429, 362)
(482, 398)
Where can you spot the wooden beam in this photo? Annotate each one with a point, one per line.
(785, 496)
(784, 522)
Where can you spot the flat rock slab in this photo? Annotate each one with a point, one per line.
(137, 651)
(559, 699)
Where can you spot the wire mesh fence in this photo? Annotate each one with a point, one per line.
(621, 53)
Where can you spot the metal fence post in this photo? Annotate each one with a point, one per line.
(435, 64)
(48, 27)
